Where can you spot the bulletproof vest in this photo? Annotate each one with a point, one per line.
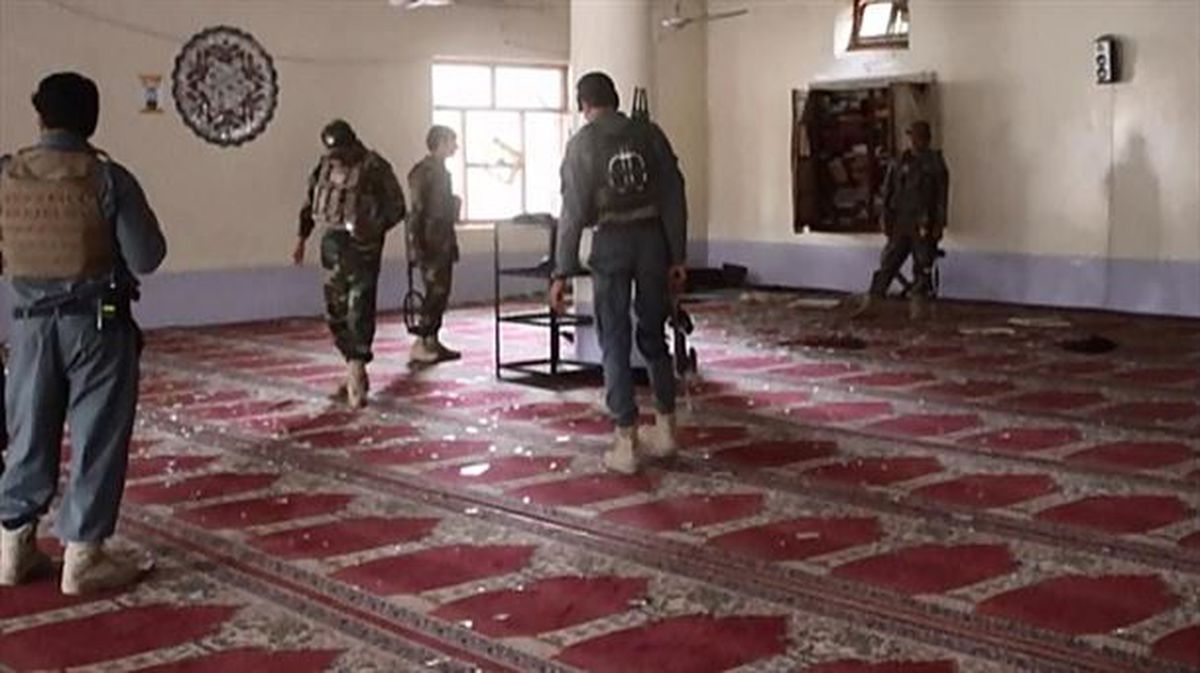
(51, 222)
(340, 198)
(626, 177)
(915, 192)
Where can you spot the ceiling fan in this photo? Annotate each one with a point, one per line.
(678, 21)
(420, 4)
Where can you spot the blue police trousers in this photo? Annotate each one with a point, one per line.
(66, 368)
(629, 264)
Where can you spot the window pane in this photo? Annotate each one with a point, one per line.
(495, 193)
(457, 85)
(875, 20)
(544, 141)
(455, 164)
(529, 87)
(493, 138)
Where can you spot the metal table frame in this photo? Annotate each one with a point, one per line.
(554, 366)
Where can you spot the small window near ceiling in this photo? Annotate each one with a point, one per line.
(512, 126)
(880, 24)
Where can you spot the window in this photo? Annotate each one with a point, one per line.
(880, 24)
(512, 128)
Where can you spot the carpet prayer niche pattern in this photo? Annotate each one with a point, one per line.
(945, 500)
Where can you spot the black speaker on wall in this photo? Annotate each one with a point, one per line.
(1107, 59)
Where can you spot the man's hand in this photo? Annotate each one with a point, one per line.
(677, 279)
(556, 298)
(298, 253)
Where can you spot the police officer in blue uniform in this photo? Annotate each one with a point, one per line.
(75, 227)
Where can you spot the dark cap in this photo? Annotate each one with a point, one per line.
(337, 134)
(68, 101)
(597, 90)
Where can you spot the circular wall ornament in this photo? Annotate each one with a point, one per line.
(225, 86)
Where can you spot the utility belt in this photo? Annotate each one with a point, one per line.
(106, 307)
(627, 217)
(354, 229)
(344, 228)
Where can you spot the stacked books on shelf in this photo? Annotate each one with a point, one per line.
(853, 140)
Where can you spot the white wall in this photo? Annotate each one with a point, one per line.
(1043, 160)
(360, 59)
(625, 38)
(680, 106)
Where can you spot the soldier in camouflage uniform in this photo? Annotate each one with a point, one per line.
(432, 242)
(915, 192)
(355, 197)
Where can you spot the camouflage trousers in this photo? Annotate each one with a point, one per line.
(438, 278)
(351, 283)
(899, 246)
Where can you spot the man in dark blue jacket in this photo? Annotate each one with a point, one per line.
(621, 176)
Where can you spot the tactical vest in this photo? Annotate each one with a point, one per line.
(51, 222)
(626, 177)
(915, 195)
(340, 198)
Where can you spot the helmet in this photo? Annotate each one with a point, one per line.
(337, 134)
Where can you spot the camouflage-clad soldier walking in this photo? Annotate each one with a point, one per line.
(432, 242)
(915, 192)
(354, 196)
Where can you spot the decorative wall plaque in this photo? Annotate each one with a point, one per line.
(225, 86)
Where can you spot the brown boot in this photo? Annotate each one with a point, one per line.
(423, 352)
(864, 306)
(661, 439)
(89, 568)
(444, 354)
(919, 308)
(357, 384)
(20, 557)
(623, 455)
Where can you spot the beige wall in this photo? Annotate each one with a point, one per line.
(1030, 138)
(680, 105)
(1043, 160)
(236, 208)
(671, 63)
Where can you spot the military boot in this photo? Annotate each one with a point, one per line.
(919, 308)
(662, 441)
(865, 306)
(20, 557)
(623, 455)
(444, 353)
(423, 352)
(357, 384)
(89, 568)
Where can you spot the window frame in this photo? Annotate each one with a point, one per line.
(522, 112)
(886, 41)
